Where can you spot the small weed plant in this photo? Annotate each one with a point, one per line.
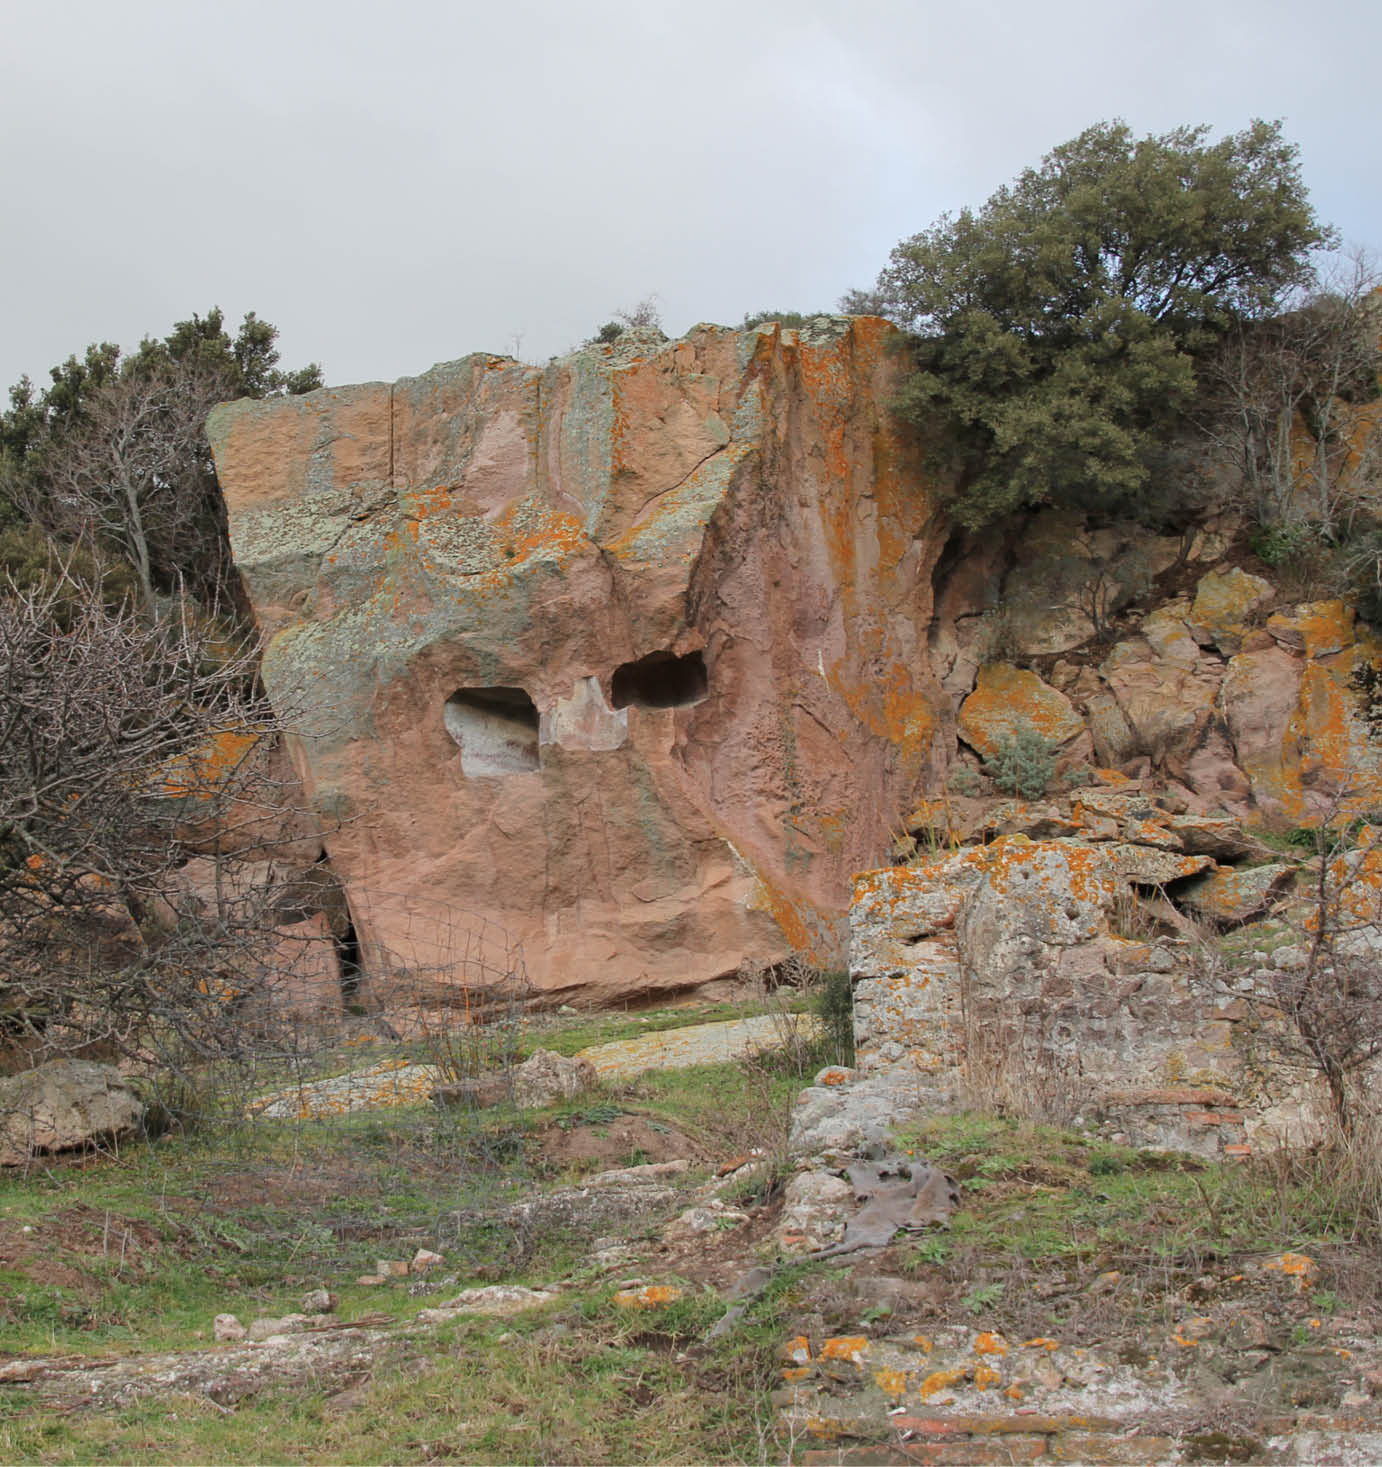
(1023, 763)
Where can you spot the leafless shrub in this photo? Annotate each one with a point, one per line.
(1012, 1069)
(1331, 993)
(118, 734)
(1282, 405)
(1314, 1006)
(1018, 1056)
(132, 475)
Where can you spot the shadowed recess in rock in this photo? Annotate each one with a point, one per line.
(496, 729)
(660, 680)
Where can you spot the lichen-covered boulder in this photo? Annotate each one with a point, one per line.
(1233, 896)
(1318, 628)
(546, 1076)
(1226, 600)
(1006, 700)
(1163, 686)
(1299, 725)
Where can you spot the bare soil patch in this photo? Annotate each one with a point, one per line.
(624, 1140)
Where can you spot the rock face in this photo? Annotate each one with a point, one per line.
(627, 653)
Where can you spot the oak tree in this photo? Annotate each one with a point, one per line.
(1057, 328)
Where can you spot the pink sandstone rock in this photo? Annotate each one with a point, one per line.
(625, 655)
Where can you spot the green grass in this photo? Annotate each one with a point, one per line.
(1064, 1206)
(138, 1252)
(580, 1380)
(586, 1384)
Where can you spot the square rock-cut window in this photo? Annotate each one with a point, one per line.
(496, 729)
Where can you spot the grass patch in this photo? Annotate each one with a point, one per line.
(1042, 1203)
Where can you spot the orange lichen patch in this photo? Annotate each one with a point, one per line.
(835, 1076)
(1007, 699)
(1186, 1342)
(845, 1347)
(797, 1350)
(941, 1380)
(1151, 832)
(649, 1296)
(218, 989)
(889, 706)
(1319, 628)
(892, 1382)
(1325, 750)
(792, 1373)
(801, 923)
(1041, 1342)
(932, 815)
(1013, 1393)
(986, 1376)
(990, 1344)
(923, 1342)
(204, 771)
(1090, 874)
(827, 1428)
(438, 499)
(1355, 889)
(1298, 1266)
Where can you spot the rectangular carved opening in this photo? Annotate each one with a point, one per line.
(660, 680)
(496, 729)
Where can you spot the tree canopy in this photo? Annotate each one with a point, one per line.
(1057, 328)
(112, 454)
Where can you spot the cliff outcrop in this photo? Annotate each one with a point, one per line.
(627, 654)
(627, 664)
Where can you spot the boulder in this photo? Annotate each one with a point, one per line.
(268, 1327)
(1163, 686)
(1318, 628)
(1258, 696)
(628, 653)
(1226, 600)
(545, 1077)
(1007, 700)
(495, 1301)
(1064, 573)
(64, 1105)
(815, 1209)
(1234, 896)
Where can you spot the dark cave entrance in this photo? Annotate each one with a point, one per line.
(660, 680)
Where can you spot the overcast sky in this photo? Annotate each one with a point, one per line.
(395, 185)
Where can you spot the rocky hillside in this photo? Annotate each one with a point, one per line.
(645, 653)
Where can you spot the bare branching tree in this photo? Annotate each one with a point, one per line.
(1288, 396)
(1331, 991)
(118, 735)
(134, 476)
